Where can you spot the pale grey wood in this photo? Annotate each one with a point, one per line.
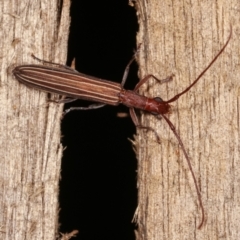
(30, 152)
(181, 38)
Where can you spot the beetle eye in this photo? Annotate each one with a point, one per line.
(158, 99)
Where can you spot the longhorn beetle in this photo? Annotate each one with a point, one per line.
(74, 85)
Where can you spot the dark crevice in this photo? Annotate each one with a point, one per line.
(98, 194)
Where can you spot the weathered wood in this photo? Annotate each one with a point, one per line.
(30, 153)
(181, 38)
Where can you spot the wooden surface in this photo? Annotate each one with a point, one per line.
(181, 38)
(30, 153)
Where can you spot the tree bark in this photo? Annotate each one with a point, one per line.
(30, 126)
(181, 38)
